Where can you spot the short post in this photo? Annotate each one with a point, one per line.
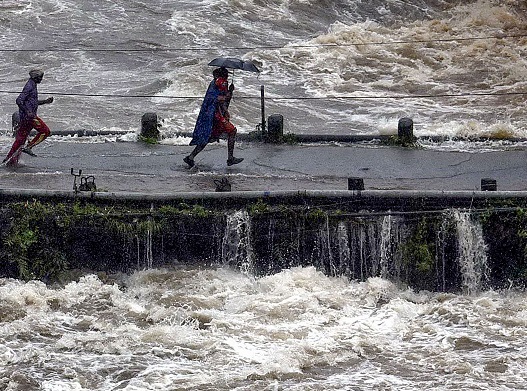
(405, 130)
(275, 128)
(488, 184)
(149, 126)
(262, 105)
(355, 184)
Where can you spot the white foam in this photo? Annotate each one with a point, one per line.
(276, 327)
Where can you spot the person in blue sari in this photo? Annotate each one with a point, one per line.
(214, 118)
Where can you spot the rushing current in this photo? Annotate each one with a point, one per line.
(458, 68)
(219, 329)
(329, 67)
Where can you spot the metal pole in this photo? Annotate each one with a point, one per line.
(262, 103)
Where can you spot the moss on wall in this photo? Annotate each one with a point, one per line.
(506, 236)
(419, 253)
(39, 240)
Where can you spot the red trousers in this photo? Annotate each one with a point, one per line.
(23, 132)
(221, 125)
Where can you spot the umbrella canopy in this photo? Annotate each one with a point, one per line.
(234, 63)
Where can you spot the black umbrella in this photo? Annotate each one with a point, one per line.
(234, 63)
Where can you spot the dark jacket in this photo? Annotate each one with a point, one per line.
(27, 101)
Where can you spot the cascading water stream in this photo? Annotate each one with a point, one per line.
(344, 255)
(149, 257)
(441, 262)
(144, 247)
(236, 249)
(361, 248)
(472, 252)
(385, 246)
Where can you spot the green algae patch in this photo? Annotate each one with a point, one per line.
(27, 245)
(40, 240)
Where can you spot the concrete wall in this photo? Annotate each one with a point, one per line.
(441, 241)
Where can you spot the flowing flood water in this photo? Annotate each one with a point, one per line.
(218, 329)
(330, 67)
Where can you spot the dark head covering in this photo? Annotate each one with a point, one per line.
(35, 73)
(220, 72)
(224, 72)
(216, 73)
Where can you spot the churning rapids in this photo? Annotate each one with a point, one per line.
(108, 62)
(218, 329)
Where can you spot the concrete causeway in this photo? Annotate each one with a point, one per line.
(141, 168)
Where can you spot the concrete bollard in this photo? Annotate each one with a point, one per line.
(405, 130)
(488, 184)
(149, 126)
(275, 128)
(355, 184)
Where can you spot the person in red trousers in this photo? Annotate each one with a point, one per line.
(28, 104)
(214, 119)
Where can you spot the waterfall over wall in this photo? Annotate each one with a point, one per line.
(472, 255)
(236, 246)
(387, 245)
(444, 249)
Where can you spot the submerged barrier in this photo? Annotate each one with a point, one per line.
(433, 240)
